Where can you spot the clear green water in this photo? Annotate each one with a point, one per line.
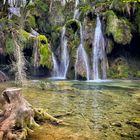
(99, 111)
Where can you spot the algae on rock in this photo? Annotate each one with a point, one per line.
(44, 52)
(120, 29)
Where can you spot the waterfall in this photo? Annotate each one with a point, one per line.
(76, 11)
(64, 55)
(14, 7)
(60, 71)
(99, 55)
(76, 3)
(55, 66)
(15, 3)
(82, 58)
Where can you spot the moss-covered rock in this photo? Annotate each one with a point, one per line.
(109, 47)
(123, 6)
(119, 69)
(74, 24)
(9, 45)
(44, 52)
(120, 29)
(24, 36)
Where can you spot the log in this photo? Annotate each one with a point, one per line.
(18, 116)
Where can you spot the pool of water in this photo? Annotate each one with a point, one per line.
(93, 110)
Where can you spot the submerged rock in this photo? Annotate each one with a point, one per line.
(134, 122)
(117, 124)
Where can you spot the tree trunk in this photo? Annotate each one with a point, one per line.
(17, 116)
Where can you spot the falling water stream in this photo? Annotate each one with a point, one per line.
(60, 70)
(76, 11)
(99, 55)
(14, 7)
(82, 62)
(82, 57)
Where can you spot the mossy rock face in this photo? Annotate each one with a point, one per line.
(119, 69)
(23, 39)
(73, 24)
(110, 46)
(24, 36)
(120, 29)
(44, 52)
(9, 45)
(123, 6)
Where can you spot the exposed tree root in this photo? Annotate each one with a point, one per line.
(18, 117)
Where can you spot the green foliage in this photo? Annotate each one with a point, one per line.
(24, 36)
(120, 29)
(119, 69)
(123, 6)
(86, 9)
(43, 25)
(42, 6)
(31, 21)
(9, 45)
(44, 51)
(72, 21)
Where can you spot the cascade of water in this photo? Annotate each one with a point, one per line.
(63, 2)
(55, 66)
(15, 3)
(82, 58)
(99, 55)
(14, 8)
(60, 71)
(76, 11)
(14, 11)
(76, 3)
(64, 54)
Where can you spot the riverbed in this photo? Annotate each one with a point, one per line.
(93, 110)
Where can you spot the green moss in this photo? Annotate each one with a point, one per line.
(122, 6)
(119, 69)
(25, 36)
(72, 21)
(31, 21)
(9, 45)
(120, 29)
(44, 51)
(86, 9)
(42, 6)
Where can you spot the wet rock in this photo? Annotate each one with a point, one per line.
(124, 134)
(105, 126)
(117, 124)
(134, 122)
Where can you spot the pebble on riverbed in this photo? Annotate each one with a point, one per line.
(117, 124)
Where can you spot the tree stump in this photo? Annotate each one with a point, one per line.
(18, 116)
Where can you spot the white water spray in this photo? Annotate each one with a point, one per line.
(82, 58)
(99, 55)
